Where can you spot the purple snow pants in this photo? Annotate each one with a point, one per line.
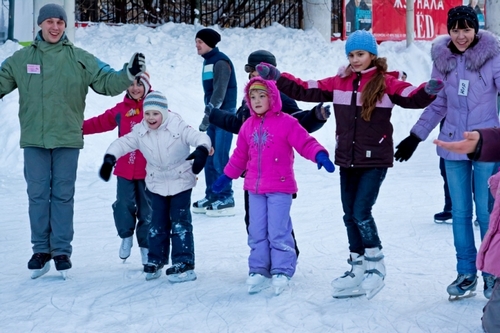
(272, 247)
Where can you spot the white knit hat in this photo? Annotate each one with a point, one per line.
(156, 101)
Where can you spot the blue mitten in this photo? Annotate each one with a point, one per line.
(434, 86)
(268, 71)
(323, 161)
(220, 183)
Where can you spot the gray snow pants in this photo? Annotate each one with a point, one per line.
(132, 210)
(50, 177)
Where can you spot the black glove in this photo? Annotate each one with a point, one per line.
(322, 113)
(107, 167)
(199, 155)
(406, 148)
(136, 65)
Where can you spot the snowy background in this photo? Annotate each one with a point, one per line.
(102, 294)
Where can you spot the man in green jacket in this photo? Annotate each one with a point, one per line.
(53, 77)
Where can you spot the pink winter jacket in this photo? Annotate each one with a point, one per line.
(124, 115)
(488, 257)
(264, 148)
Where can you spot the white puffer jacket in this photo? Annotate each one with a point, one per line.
(165, 150)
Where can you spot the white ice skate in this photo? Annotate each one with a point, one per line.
(36, 273)
(279, 282)
(349, 284)
(125, 248)
(144, 255)
(182, 277)
(256, 283)
(374, 277)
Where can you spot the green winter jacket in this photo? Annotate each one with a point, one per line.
(53, 81)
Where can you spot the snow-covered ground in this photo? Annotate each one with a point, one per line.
(102, 294)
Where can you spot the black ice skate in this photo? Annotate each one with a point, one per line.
(63, 264)
(39, 264)
(443, 217)
(181, 272)
(152, 270)
(463, 287)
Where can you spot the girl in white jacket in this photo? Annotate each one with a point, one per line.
(164, 139)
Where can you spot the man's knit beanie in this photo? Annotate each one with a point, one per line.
(209, 37)
(52, 10)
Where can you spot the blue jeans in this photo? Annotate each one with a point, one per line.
(171, 221)
(359, 188)
(460, 175)
(214, 168)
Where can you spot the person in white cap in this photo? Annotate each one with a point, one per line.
(53, 77)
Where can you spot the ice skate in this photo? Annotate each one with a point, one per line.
(125, 248)
(256, 283)
(463, 287)
(279, 282)
(63, 264)
(39, 264)
(443, 217)
(221, 208)
(181, 272)
(349, 284)
(489, 283)
(144, 255)
(200, 206)
(152, 270)
(374, 277)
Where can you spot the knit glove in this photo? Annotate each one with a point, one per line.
(136, 65)
(221, 183)
(199, 155)
(433, 87)
(406, 148)
(322, 113)
(107, 167)
(268, 71)
(323, 161)
(204, 124)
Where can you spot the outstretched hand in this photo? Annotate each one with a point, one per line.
(136, 65)
(199, 155)
(434, 86)
(268, 71)
(322, 112)
(107, 167)
(406, 148)
(466, 146)
(220, 183)
(323, 161)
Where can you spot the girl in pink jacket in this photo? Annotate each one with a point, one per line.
(132, 208)
(264, 152)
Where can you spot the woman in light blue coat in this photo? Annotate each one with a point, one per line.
(468, 61)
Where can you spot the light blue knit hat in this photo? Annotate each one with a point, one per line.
(361, 40)
(156, 101)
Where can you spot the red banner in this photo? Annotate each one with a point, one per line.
(386, 19)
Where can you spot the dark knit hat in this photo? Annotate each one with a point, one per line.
(465, 16)
(52, 10)
(208, 36)
(361, 40)
(156, 101)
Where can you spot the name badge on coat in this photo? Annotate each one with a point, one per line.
(463, 87)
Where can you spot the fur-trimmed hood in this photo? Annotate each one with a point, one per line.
(445, 61)
(272, 91)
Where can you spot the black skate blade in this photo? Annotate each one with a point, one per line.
(469, 294)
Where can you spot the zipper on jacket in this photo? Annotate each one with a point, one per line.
(355, 89)
(259, 155)
(482, 79)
